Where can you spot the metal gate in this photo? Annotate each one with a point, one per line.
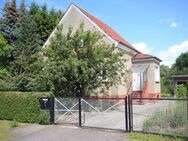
(108, 113)
(150, 115)
(66, 110)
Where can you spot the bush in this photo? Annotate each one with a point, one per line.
(22, 106)
(14, 124)
(44, 118)
(181, 91)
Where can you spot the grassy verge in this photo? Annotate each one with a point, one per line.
(150, 137)
(5, 126)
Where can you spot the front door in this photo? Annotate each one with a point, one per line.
(136, 81)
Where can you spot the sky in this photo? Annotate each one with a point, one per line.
(156, 27)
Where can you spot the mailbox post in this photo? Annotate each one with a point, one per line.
(52, 121)
(47, 103)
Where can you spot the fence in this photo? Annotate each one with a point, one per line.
(163, 116)
(150, 115)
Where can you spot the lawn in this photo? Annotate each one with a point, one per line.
(5, 126)
(150, 137)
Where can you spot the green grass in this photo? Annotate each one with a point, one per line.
(150, 137)
(5, 126)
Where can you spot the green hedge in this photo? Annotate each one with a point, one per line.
(23, 107)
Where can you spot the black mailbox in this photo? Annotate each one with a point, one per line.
(45, 103)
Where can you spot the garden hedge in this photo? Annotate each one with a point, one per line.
(23, 107)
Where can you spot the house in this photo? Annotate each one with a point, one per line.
(143, 78)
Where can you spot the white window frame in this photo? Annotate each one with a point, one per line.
(157, 74)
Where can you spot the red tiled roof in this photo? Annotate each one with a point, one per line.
(144, 56)
(108, 30)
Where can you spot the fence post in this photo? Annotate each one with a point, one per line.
(131, 114)
(126, 116)
(129, 108)
(187, 106)
(51, 110)
(80, 111)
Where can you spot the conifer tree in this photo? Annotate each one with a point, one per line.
(27, 46)
(46, 20)
(22, 8)
(9, 21)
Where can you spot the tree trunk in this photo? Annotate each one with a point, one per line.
(82, 91)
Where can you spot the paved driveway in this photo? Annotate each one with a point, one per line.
(65, 133)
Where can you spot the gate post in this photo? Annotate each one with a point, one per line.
(126, 116)
(52, 110)
(80, 111)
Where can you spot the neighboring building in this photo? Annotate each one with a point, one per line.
(178, 80)
(143, 78)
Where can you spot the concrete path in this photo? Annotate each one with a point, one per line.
(65, 133)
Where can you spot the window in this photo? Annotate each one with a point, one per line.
(157, 74)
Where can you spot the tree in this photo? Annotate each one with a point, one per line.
(166, 88)
(181, 64)
(24, 32)
(164, 71)
(46, 20)
(9, 21)
(5, 51)
(79, 62)
(22, 8)
(27, 46)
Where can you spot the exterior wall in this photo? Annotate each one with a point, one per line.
(124, 86)
(153, 88)
(74, 18)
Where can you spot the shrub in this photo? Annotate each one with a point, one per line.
(22, 106)
(44, 118)
(181, 91)
(14, 123)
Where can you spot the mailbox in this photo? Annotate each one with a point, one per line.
(45, 103)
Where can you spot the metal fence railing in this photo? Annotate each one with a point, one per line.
(163, 116)
(149, 115)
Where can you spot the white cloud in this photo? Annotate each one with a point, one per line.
(169, 56)
(142, 47)
(174, 24)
